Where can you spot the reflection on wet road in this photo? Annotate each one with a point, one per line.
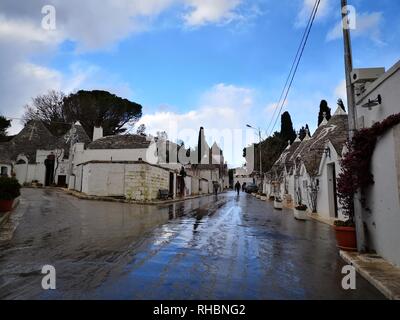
(227, 247)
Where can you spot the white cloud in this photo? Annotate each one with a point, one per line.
(306, 9)
(223, 111)
(92, 26)
(25, 31)
(211, 11)
(341, 91)
(367, 24)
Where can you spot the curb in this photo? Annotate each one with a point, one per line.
(108, 199)
(6, 215)
(321, 220)
(4, 218)
(380, 273)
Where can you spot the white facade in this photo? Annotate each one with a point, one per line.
(242, 175)
(383, 197)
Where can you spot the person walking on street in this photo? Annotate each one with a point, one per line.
(237, 187)
(216, 187)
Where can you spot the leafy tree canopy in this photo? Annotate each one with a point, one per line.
(324, 108)
(90, 108)
(4, 125)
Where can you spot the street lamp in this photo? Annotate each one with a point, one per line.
(259, 135)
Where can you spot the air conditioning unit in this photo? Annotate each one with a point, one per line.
(366, 74)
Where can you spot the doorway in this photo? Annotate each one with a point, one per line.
(332, 195)
(49, 163)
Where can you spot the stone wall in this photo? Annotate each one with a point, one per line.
(203, 189)
(143, 181)
(195, 185)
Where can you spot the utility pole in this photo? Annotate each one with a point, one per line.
(352, 112)
(259, 136)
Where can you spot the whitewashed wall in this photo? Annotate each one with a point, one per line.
(188, 186)
(383, 198)
(325, 199)
(203, 188)
(109, 155)
(195, 185)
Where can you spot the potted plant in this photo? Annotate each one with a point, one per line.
(300, 211)
(278, 203)
(263, 197)
(271, 198)
(346, 235)
(9, 190)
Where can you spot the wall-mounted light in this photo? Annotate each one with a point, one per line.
(373, 103)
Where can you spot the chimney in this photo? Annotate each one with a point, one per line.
(97, 133)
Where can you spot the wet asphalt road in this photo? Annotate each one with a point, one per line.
(207, 248)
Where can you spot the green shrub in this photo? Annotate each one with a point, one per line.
(301, 207)
(9, 188)
(348, 223)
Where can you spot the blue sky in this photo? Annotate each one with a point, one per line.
(218, 64)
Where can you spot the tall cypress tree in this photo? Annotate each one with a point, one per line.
(323, 107)
(303, 132)
(287, 131)
(341, 104)
(4, 125)
(200, 145)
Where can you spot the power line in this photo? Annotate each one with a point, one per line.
(296, 63)
(292, 67)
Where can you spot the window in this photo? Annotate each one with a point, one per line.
(4, 171)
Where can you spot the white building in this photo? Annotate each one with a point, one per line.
(134, 167)
(382, 216)
(306, 171)
(243, 176)
(35, 155)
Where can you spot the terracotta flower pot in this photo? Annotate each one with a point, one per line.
(346, 238)
(6, 205)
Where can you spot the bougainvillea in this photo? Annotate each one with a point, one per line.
(356, 164)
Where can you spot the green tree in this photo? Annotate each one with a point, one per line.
(324, 108)
(141, 130)
(341, 104)
(101, 108)
(49, 109)
(4, 125)
(287, 131)
(90, 108)
(303, 132)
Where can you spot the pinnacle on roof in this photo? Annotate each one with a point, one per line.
(324, 121)
(307, 137)
(339, 112)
